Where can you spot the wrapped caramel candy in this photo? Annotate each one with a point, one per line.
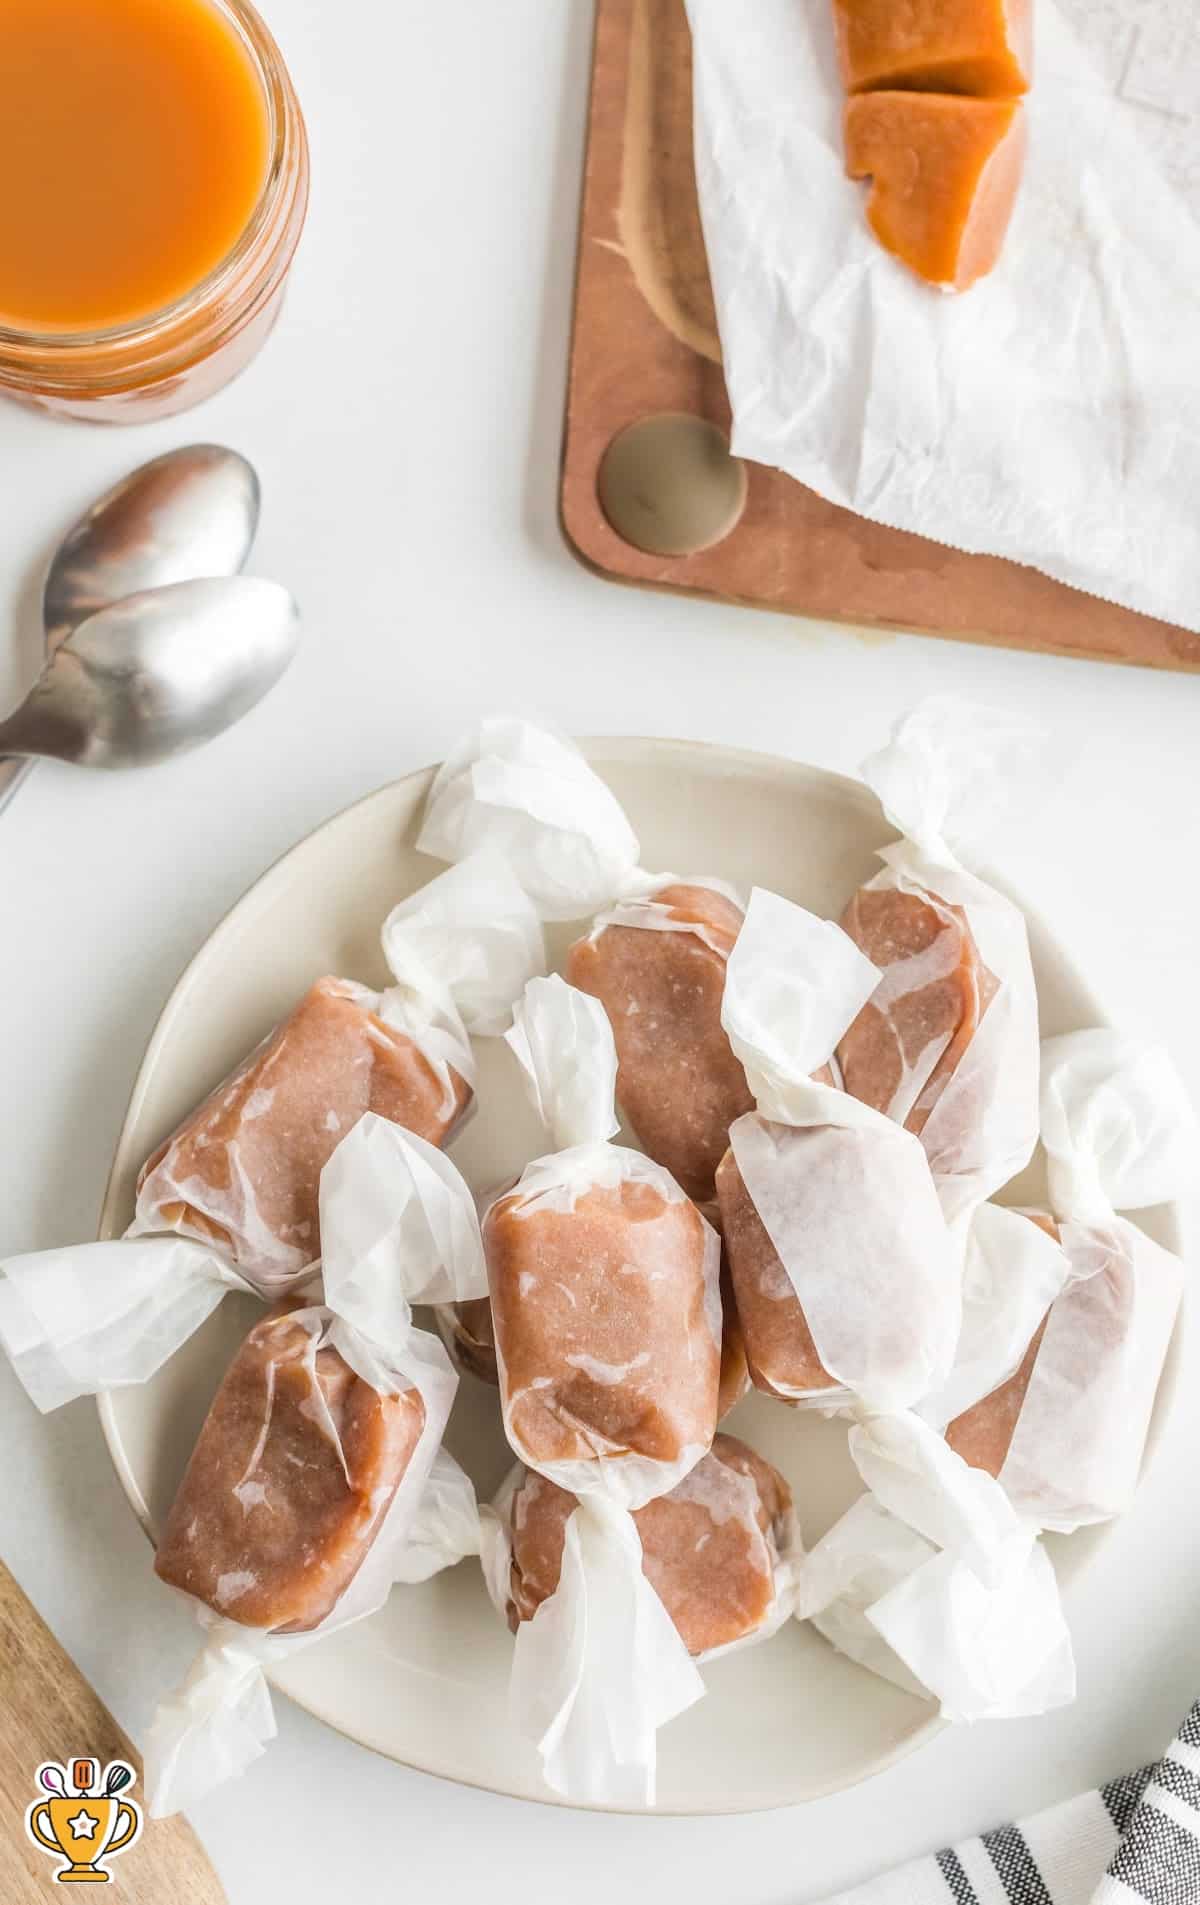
(656, 954)
(938, 1573)
(318, 1480)
(718, 1550)
(603, 1275)
(948, 1043)
(933, 1580)
(242, 1171)
(295, 1468)
(1080, 1326)
(1012, 1272)
(231, 1200)
(657, 967)
(852, 1568)
(469, 1335)
(844, 1272)
(983, 1434)
(604, 1282)
(528, 795)
(893, 1040)
(736, 1381)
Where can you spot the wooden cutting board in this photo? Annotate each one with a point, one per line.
(645, 343)
(49, 1712)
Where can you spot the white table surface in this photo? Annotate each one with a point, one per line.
(406, 422)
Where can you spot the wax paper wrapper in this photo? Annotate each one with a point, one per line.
(1012, 1274)
(726, 1497)
(99, 1316)
(1119, 1133)
(602, 1667)
(1052, 413)
(399, 1229)
(945, 768)
(528, 793)
(102, 1316)
(862, 1557)
(656, 950)
(466, 1330)
(844, 1194)
(459, 951)
(934, 1581)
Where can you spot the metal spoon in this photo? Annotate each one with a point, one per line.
(157, 673)
(190, 513)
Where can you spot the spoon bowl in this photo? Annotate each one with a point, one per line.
(162, 671)
(191, 513)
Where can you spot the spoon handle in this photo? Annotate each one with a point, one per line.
(13, 772)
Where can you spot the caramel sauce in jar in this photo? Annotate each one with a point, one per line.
(156, 180)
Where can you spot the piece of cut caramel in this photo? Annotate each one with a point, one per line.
(980, 47)
(944, 174)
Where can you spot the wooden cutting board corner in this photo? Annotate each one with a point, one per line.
(645, 343)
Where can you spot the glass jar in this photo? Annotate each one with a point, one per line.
(178, 356)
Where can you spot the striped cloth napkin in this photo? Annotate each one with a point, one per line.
(1135, 1842)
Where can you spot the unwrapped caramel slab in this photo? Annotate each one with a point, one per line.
(980, 47)
(944, 173)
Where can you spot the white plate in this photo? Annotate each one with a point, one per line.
(425, 1680)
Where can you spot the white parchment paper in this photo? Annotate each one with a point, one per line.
(1050, 414)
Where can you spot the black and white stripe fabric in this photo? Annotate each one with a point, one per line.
(1158, 1859)
(1135, 1842)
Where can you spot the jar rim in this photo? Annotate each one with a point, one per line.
(272, 75)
